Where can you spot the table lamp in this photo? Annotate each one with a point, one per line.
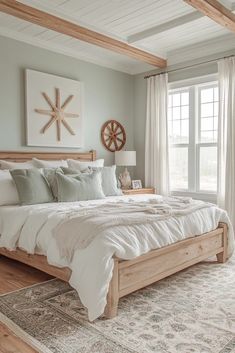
(126, 159)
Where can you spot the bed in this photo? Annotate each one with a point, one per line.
(129, 275)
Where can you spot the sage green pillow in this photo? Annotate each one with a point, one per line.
(32, 186)
(80, 187)
(50, 174)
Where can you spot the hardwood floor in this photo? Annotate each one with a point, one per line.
(13, 276)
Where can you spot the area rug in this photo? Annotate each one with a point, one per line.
(190, 312)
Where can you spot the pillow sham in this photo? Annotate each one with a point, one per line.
(109, 181)
(39, 163)
(82, 166)
(8, 191)
(32, 186)
(82, 187)
(15, 165)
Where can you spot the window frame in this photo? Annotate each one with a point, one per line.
(194, 144)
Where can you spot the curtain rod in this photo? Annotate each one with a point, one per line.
(189, 66)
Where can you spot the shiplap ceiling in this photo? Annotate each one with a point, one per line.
(166, 28)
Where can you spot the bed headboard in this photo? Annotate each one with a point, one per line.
(25, 156)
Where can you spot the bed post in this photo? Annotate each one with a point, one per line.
(222, 257)
(113, 294)
(93, 152)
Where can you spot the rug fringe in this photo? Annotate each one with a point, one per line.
(24, 336)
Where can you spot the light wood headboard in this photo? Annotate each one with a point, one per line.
(25, 156)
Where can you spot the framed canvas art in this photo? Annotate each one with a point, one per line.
(54, 107)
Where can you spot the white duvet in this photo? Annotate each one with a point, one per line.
(37, 229)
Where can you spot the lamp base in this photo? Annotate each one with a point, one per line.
(125, 179)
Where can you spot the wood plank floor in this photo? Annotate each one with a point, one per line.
(13, 276)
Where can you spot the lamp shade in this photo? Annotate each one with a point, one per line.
(125, 158)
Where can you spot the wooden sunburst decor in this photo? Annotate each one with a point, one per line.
(57, 113)
(113, 135)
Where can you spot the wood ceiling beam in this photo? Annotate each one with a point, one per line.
(44, 19)
(195, 15)
(216, 11)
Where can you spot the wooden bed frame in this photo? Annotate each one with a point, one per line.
(130, 275)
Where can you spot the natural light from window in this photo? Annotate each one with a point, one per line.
(192, 129)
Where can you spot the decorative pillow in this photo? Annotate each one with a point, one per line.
(109, 181)
(80, 187)
(39, 163)
(82, 166)
(50, 175)
(8, 191)
(70, 171)
(15, 165)
(32, 186)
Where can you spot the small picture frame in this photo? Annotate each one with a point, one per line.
(136, 184)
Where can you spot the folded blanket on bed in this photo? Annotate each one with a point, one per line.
(80, 228)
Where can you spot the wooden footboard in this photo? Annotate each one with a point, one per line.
(131, 275)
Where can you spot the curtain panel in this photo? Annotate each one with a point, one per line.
(156, 138)
(226, 137)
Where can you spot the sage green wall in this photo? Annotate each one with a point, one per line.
(108, 94)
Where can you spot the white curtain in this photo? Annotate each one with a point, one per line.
(226, 137)
(156, 138)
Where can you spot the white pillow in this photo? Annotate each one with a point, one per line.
(8, 191)
(82, 166)
(39, 163)
(15, 165)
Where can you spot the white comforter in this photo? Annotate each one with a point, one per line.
(37, 229)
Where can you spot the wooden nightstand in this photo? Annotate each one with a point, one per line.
(139, 191)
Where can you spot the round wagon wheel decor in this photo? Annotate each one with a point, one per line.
(113, 135)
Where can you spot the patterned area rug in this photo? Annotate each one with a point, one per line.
(190, 312)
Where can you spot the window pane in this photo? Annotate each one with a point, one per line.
(207, 95)
(208, 114)
(185, 98)
(216, 108)
(184, 131)
(208, 168)
(176, 113)
(179, 167)
(170, 100)
(207, 136)
(176, 99)
(207, 124)
(179, 113)
(184, 112)
(176, 130)
(216, 92)
(206, 110)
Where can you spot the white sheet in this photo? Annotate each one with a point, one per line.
(31, 227)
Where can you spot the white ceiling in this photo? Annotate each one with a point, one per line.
(166, 28)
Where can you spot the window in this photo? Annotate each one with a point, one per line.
(192, 129)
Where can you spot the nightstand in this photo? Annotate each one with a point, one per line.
(138, 191)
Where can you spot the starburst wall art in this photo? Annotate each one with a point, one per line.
(54, 110)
